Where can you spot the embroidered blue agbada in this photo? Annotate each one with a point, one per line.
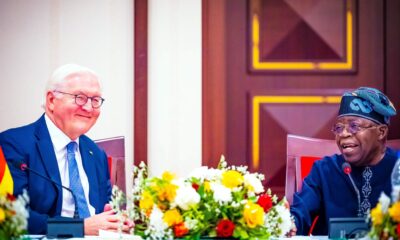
(327, 192)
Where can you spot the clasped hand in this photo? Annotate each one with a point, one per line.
(106, 220)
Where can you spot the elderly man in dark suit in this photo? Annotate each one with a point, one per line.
(55, 146)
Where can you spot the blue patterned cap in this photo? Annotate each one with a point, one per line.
(367, 103)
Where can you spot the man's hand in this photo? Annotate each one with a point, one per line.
(106, 220)
(292, 231)
(107, 207)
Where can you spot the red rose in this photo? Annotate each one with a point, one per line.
(225, 228)
(195, 186)
(180, 230)
(11, 197)
(265, 201)
(398, 229)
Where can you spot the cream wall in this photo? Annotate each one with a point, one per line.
(38, 36)
(174, 86)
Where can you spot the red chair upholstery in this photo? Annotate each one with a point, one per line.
(115, 150)
(303, 168)
(110, 164)
(304, 164)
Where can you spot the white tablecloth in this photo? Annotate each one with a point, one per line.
(103, 235)
(106, 235)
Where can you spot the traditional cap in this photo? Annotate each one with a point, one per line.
(367, 103)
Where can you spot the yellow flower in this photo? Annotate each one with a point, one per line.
(394, 211)
(232, 179)
(253, 214)
(2, 215)
(377, 215)
(172, 217)
(168, 176)
(167, 192)
(207, 186)
(146, 201)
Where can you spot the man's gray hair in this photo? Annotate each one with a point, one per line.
(60, 74)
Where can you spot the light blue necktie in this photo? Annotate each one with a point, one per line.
(75, 181)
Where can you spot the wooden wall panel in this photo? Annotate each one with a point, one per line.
(292, 36)
(213, 84)
(260, 143)
(392, 61)
(140, 82)
(275, 116)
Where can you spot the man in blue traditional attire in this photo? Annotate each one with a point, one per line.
(361, 130)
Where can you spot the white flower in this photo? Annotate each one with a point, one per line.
(237, 189)
(284, 215)
(142, 164)
(186, 195)
(191, 223)
(236, 204)
(213, 174)
(241, 169)
(21, 214)
(204, 173)
(156, 220)
(222, 194)
(395, 193)
(385, 202)
(199, 173)
(158, 229)
(222, 162)
(253, 183)
(16, 223)
(260, 176)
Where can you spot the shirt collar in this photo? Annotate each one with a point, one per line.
(58, 137)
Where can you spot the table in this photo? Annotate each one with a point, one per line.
(103, 235)
(106, 235)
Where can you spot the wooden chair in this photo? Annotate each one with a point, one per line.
(115, 150)
(307, 150)
(394, 143)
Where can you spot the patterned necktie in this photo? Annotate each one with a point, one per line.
(75, 181)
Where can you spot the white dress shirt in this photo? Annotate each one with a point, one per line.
(60, 141)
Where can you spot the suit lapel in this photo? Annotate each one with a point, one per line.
(88, 161)
(48, 157)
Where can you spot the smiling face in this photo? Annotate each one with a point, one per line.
(365, 147)
(72, 119)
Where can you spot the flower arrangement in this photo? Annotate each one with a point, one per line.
(385, 218)
(13, 215)
(224, 202)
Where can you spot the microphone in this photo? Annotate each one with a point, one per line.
(58, 227)
(346, 167)
(21, 165)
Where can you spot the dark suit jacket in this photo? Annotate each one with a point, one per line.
(32, 145)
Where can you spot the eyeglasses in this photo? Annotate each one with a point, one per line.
(352, 127)
(81, 99)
